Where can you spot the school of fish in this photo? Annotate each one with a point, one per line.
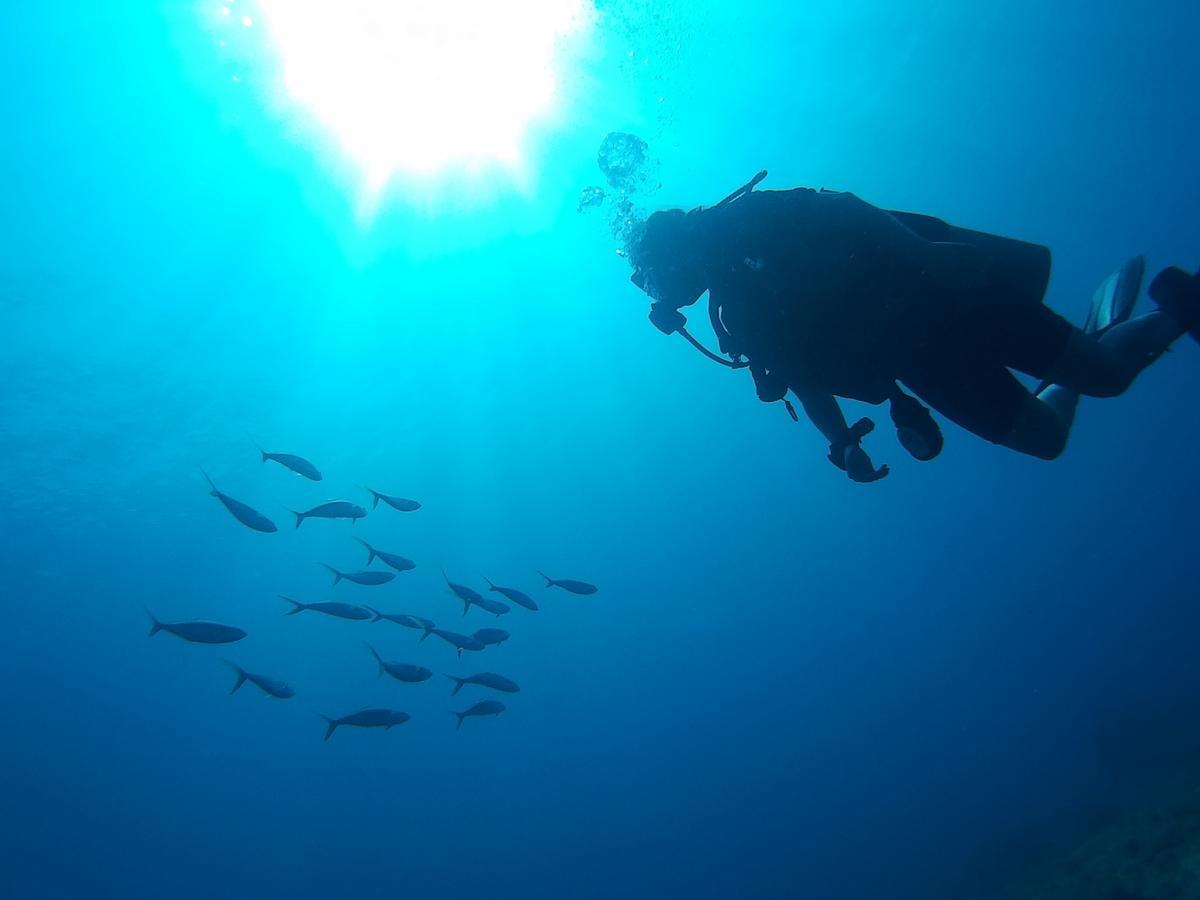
(205, 632)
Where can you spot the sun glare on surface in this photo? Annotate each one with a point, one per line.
(420, 86)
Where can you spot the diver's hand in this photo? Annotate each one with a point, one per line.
(859, 466)
(848, 455)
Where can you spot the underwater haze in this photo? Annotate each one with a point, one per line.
(787, 685)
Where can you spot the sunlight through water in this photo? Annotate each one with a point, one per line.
(422, 86)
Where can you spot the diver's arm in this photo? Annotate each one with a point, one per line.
(825, 413)
(845, 449)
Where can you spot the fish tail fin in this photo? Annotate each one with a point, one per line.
(155, 625)
(374, 498)
(491, 587)
(297, 606)
(376, 613)
(258, 446)
(460, 717)
(337, 576)
(212, 487)
(424, 633)
(299, 517)
(370, 550)
(378, 658)
(458, 683)
(549, 580)
(466, 607)
(241, 675)
(330, 725)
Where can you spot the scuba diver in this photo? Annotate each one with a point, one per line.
(819, 293)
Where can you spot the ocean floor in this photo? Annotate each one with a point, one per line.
(1150, 851)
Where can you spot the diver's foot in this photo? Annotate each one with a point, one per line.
(918, 433)
(1177, 293)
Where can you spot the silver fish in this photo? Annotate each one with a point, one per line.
(485, 679)
(517, 597)
(332, 509)
(495, 607)
(405, 672)
(198, 632)
(397, 562)
(465, 594)
(367, 578)
(248, 516)
(297, 464)
(366, 718)
(491, 637)
(270, 686)
(482, 708)
(400, 503)
(330, 608)
(570, 584)
(471, 597)
(459, 642)
(407, 621)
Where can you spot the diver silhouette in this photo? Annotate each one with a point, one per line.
(821, 294)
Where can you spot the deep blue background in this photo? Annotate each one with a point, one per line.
(789, 685)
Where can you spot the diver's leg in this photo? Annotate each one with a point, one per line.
(1099, 367)
(1112, 304)
(988, 400)
(1107, 366)
(1040, 428)
(1064, 402)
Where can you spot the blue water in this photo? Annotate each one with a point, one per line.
(788, 685)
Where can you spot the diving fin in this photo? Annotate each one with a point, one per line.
(1178, 294)
(1114, 300)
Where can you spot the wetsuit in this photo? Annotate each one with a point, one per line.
(831, 295)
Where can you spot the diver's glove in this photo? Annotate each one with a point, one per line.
(849, 456)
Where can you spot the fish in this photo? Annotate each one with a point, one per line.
(401, 671)
(482, 708)
(330, 608)
(459, 642)
(399, 503)
(517, 597)
(397, 562)
(491, 637)
(199, 632)
(270, 686)
(462, 592)
(367, 718)
(248, 516)
(367, 578)
(331, 509)
(485, 679)
(570, 584)
(404, 619)
(297, 464)
(495, 607)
